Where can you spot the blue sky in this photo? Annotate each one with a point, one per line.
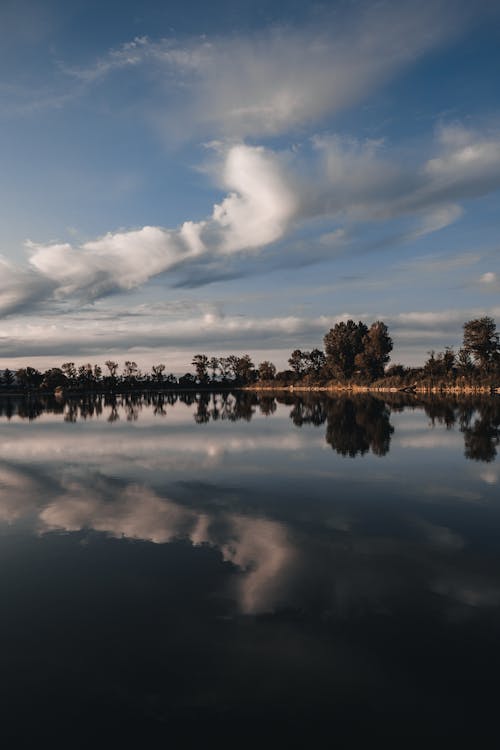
(239, 176)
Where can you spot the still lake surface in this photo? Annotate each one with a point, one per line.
(179, 567)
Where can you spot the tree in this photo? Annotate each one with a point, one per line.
(244, 369)
(481, 341)
(157, 371)
(376, 345)
(86, 374)
(342, 343)
(69, 370)
(188, 380)
(214, 366)
(8, 377)
(267, 370)
(298, 361)
(200, 363)
(316, 362)
(130, 371)
(464, 362)
(112, 367)
(53, 378)
(29, 377)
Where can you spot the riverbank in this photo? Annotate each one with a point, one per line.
(451, 390)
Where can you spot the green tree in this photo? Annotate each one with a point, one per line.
(481, 341)
(342, 343)
(376, 347)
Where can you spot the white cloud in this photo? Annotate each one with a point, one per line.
(279, 78)
(256, 211)
(269, 194)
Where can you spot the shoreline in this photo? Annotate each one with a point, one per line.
(452, 390)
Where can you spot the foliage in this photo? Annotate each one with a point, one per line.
(481, 341)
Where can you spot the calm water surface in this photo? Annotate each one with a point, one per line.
(173, 569)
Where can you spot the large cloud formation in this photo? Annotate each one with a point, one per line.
(269, 194)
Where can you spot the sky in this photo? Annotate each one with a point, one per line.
(237, 177)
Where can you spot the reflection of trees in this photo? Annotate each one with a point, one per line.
(483, 436)
(309, 411)
(478, 419)
(267, 405)
(357, 425)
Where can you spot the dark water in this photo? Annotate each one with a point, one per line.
(177, 570)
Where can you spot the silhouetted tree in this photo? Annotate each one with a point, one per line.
(188, 380)
(8, 378)
(244, 370)
(29, 377)
(130, 371)
(214, 366)
(112, 367)
(69, 370)
(200, 363)
(53, 378)
(157, 373)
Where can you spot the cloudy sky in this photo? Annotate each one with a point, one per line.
(237, 176)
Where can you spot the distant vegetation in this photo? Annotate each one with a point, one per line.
(354, 355)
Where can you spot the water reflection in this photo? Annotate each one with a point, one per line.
(355, 425)
(214, 558)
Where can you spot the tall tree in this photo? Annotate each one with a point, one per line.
(112, 367)
(298, 361)
(481, 341)
(200, 363)
(29, 377)
(316, 362)
(342, 343)
(244, 369)
(214, 366)
(8, 377)
(267, 370)
(130, 371)
(69, 370)
(376, 347)
(157, 371)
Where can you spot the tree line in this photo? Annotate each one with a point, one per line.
(352, 353)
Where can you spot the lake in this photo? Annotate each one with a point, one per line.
(181, 567)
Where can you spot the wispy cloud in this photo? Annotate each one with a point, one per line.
(257, 84)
